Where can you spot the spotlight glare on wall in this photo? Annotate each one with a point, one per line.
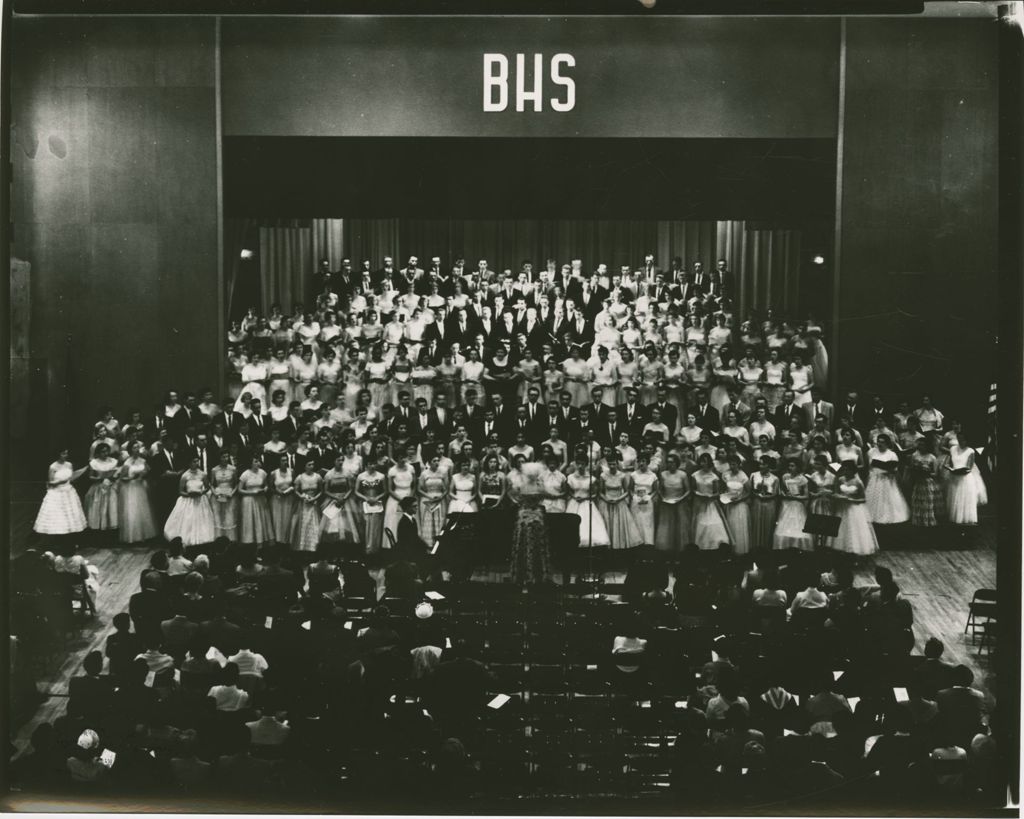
(246, 253)
(819, 260)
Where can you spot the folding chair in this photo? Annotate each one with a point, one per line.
(982, 605)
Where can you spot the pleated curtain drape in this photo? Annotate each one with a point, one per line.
(766, 261)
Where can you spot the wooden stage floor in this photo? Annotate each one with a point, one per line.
(939, 584)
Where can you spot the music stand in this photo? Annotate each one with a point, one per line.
(823, 525)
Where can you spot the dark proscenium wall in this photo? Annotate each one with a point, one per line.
(115, 207)
(918, 283)
(696, 77)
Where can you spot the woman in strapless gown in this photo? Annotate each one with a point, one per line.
(801, 380)
(927, 499)
(856, 534)
(134, 507)
(674, 525)
(737, 511)
(224, 497)
(61, 511)
(432, 488)
(101, 499)
(883, 496)
(192, 516)
(493, 484)
(961, 488)
(377, 375)
(710, 529)
(305, 534)
(371, 489)
(401, 483)
(764, 488)
(821, 485)
(339, 523)
(593, 531)
(644, 498)
(614, 492)
(254, 522)
(789, 531)
(463, 491)
(282, 501)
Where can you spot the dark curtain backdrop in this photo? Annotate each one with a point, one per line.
(766, 261)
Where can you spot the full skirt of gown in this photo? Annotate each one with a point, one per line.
(282, 514)
(225, 516)
(763, 514)
(431, 516)
(884, 499)
(926, 502)
(101, 505)
(623, 532)
(593, 531)
(674, 528)
(137, 523)
(305, 534)
(962, 499)
(342, 527)
(531, 561)
(192, 521)
(373, 532)
(709, 524)
(789, 531)
(737, 518)
(643, 514)
(254, 522)
(856, 534)
(61, 512)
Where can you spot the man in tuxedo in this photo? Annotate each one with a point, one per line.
(481, 433)
(607, 431)
(557, 325)
(552, 417)
(463, 329)
(879, 410)
(669, 413)
(387, 271)
(404, 411)
(248, 447)
(723, 280)
(819, 406)
(632, 415)
(858, 412)
(165, 468)
(741, 408)
(208, 456)
(408, 543)
(581, 329)
(503, 417)
(536, 415)
(786, 411)
(649, 270)
(295, 461)
(291, 425)
(707, 415)
(259, 424)
(421, 420)
(568, 412)
(435, 349)
(598, 409)
(218, 439)
(322, 454)
(471, 411)
(588, 303)
(441, 417)
(190, 414)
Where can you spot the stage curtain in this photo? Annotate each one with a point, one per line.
(766, 260)
(328, 241)
(240, 291)
(286, 264)
(766, 263)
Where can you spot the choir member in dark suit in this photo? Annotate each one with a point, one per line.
(707, 415)
(669, 413)
(165, 468)
(633, 415)
(786, 411)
